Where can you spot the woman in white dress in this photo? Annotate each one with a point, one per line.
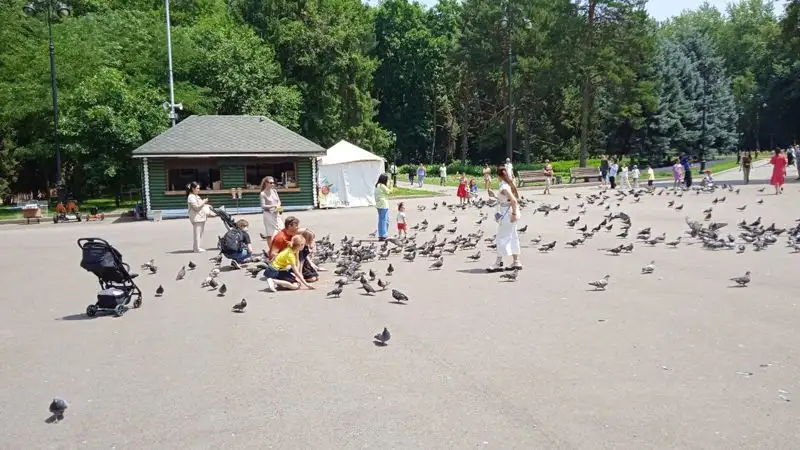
(271, 206)
(507, 214)
(198, 212)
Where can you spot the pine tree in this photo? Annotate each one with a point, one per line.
(716, 129)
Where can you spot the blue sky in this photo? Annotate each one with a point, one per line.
(660, 9)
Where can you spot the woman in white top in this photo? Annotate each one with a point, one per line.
(198, 212)
(507, 214)
(271, 206)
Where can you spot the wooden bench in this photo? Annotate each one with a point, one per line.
(530, 176)
(586, 173)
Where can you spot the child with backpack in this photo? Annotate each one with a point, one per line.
(235, 244)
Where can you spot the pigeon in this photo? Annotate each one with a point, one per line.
(648, 269)
(742, 281)
(239, 307)
(159, 291)
(511, 276)
(58, 407)
(437, 264)
(149, 264)
(368, 288)
(383, 284)
(181, 274)
(675, 242)
(742, 208)
(371, 275)
(216, 259)
(223, 289)
(336, 292)
(523, 229)
(600, 285)
(383, 336)
(192, 265)
(399, 296)
(213, 283)
(740, 249)
(389, 270)
(153, 269)
(476, 256)
(760, 202)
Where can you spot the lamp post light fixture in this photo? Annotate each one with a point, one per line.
(51, 10)
(508, 23)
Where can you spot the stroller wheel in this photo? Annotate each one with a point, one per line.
(120, 310)
(91, 310)
(137, 303)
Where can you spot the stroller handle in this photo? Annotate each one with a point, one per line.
(84, 241)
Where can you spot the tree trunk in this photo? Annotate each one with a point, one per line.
(587, 85)
(526, 143)
(466, 101)
(433, 138)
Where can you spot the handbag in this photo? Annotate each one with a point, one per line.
(498, 217)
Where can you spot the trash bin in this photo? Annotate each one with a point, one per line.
(157, 215)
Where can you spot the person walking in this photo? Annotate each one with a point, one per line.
(651, 176)
(393, 173)
(687, 171)
(507, 215)
(382, 192)
(411, 174)
(625, 176)
(421, 172)
(779, 163)
(271, 209)
(747, 161)
(487, 176)
(548, 174)
(604, 171)
(442, 174)
(612, 174)
(635, 173)
(198, 212)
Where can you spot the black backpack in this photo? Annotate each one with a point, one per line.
(231, 242)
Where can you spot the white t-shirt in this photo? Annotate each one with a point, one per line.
(442, 171)
(401, 217)
(510, 169)
(636, 173)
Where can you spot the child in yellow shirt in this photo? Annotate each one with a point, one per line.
(284, 271)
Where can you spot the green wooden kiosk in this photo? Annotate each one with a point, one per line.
(227, 154)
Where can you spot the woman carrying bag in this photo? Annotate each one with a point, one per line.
(507, 214)
(272, 209)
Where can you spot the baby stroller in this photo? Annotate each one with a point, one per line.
(226, 218)
(116, 280)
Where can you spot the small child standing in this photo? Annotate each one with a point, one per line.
(624, 175)
(473, 187)
(402, 225)
(462, 190)
(651, 176)
(635, 175)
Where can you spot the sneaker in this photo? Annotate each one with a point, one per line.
(271, 285)
(235, 265)
(496, 267)
(515, 266)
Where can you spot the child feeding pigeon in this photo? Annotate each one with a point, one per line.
(284, 272)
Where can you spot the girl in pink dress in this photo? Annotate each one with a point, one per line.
(778, 162)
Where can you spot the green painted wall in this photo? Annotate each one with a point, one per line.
(233, 175)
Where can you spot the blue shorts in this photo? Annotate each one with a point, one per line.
(283, 275)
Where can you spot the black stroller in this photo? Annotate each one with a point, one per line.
(226, 218)
(116, 280)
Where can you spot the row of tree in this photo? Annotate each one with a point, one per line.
(414, 84)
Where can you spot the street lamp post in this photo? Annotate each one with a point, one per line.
(52, 9)
(171, 105)
(508, 23)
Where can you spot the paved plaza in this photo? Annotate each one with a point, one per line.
(676, 359)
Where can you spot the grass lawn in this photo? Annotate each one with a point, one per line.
(409, 192)
(105, 205)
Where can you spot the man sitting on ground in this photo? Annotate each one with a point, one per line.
(235, 245)
(283, 239)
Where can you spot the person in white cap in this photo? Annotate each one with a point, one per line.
(510, 171)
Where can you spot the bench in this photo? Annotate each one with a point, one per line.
(584, 172)
(530, 176)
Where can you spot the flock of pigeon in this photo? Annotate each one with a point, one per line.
(350, 255)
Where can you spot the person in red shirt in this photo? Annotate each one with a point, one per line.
(283, 239)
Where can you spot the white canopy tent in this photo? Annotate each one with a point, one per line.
(347, 176)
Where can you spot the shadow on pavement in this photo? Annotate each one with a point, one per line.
(81, 316)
